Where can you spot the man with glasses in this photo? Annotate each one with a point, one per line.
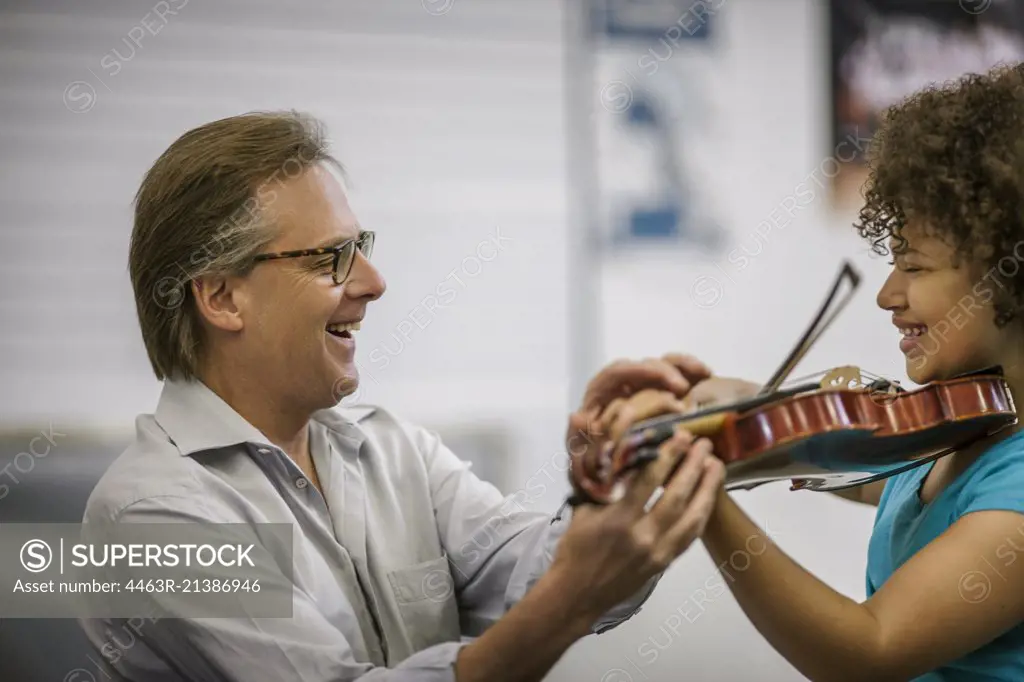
(343, 254)
(250, 274)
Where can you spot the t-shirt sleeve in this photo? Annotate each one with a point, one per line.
(887, 491)
(996, 480)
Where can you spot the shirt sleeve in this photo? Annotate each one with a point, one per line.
(997, 479)
(497, 547)
(243, 648)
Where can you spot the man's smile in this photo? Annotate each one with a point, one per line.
(343, 330)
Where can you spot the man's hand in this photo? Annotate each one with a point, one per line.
(674, 372)
(607, 403)
(610, 551)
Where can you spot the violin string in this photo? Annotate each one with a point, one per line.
(816, 376)
(866, 378)
(799, 380)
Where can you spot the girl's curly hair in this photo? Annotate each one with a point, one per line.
(952, 157)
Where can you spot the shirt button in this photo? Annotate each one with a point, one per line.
(263, 451)
(301, 483)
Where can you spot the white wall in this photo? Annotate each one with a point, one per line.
(452, 126)
(449, 121)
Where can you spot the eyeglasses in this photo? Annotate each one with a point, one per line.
(344, 254)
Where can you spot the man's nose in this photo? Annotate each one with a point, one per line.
(365, 280)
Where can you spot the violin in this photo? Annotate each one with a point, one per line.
(836, 432)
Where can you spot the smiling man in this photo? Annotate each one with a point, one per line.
(250, 275)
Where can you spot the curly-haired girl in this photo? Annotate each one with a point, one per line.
(945, 566)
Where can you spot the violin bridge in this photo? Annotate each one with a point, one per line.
(848, 376)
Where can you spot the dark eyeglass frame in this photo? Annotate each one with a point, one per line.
(364, 242)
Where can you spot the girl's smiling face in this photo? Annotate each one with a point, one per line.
(942, 304)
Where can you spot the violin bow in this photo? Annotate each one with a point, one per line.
(821, 322)
(651, 432)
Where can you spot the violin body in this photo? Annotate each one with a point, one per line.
(833, 439)
(827, 438)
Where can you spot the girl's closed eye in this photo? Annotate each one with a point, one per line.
(904, 266)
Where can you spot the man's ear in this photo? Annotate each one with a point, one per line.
(218, 301)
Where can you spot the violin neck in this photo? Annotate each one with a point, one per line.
(669, 421)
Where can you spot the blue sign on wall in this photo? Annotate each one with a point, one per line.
(653, 19)
(652, 60)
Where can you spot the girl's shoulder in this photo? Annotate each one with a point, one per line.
(995, 480)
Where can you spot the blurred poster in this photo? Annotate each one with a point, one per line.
(658, 150)
(883, 50)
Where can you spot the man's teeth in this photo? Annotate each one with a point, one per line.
(343, 327)
(913, 331)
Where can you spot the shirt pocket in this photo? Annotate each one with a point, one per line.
(425, 594)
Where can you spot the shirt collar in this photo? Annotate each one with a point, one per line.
(197, 419)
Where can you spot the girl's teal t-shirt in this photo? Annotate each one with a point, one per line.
(903, 526)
